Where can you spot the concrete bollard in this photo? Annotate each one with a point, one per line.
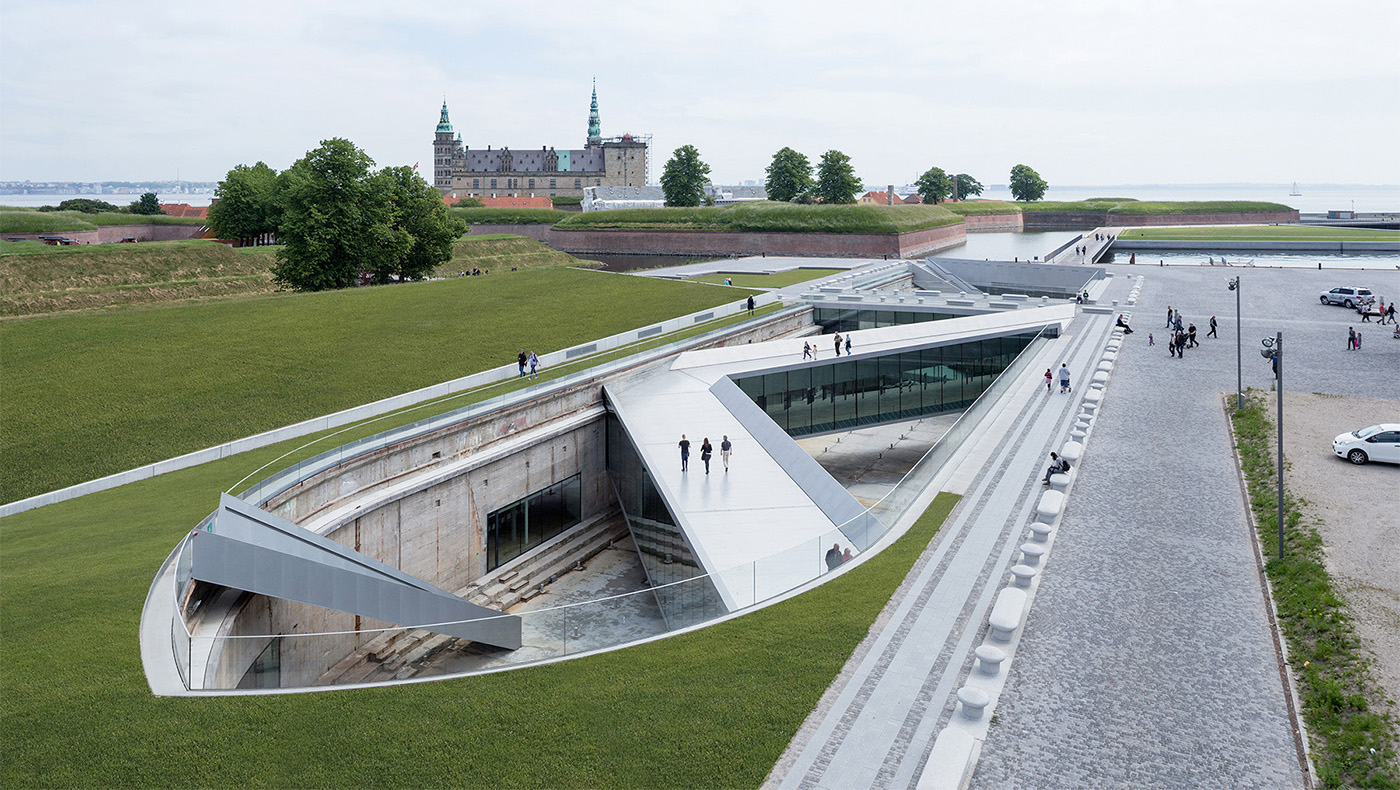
(1040, 531)
(1031, 554)
(973, 701)
(989, 658)
(1023, 574)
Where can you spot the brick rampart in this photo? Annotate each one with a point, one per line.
(721, 243)
(109, 234)
(983, 223)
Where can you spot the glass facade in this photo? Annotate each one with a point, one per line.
(683, 591)
(832, 396)
(850, 319)
(527, 523)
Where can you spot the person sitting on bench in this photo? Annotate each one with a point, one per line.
(1127, 330)
(1058, 465)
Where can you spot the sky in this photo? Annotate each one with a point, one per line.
(1084, 91)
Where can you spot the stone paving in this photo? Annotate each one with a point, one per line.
(1147, 659)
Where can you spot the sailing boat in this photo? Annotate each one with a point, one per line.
(1295, 192)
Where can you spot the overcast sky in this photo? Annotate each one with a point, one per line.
(1085, 91)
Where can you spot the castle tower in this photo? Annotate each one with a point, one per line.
(443, 148)
(595, 127)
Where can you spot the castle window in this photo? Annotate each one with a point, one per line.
(493, 183)
(578, 183)
(476, 183)
(551, 183)
(597, 182)
(532, 183)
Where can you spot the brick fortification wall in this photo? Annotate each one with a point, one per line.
(983, 223)
(720, 243)
(1054, 220)
(109, 234)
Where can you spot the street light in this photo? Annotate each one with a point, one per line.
(1273, 351)
(1239, 372)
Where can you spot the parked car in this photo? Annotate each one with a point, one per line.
(1347, 297)
(1376, 443)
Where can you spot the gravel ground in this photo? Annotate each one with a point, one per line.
(1354, 506)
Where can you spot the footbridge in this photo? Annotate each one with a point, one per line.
(722, 539)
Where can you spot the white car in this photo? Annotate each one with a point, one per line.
(1346, 297)
(1376, 443)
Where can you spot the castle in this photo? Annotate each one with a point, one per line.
(461, 171)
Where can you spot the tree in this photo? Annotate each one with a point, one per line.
(334, 224)
(836, 179)
(965, 186)
(684, 178)
(146, 204)
(1026, 184)
(85, 205)
(417, 217)
(247, 204)
(789, 175)
(934, 185)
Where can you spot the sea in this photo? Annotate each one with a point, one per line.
(36, 200)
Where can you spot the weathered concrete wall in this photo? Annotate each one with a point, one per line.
(1259, 246)
(986, 223)
(724, 243)
(1087, 220)
(110, 234)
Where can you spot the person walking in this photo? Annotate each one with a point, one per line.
(1390, 312)
(1358, 341)
(1064, 378)
(848, 344)
(1191, 334)
(705, 452)
(749, 304)
(726, 447)
(806, 350)
(1048, 379)
(685, 453)
(1151, 341)
(837, 341)
(1351, 338)
(1211, 333)
(833, 557)
(534, 364)
(521, 358)
(1169, 316)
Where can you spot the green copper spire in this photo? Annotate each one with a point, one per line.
(595, 128)
(444, 125)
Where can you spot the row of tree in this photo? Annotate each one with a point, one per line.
(790, 179)
(147, 204)
(338, 220)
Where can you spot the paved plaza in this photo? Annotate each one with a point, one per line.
(1147, 658)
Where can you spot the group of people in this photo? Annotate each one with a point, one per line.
(1386, 312)
(835, 557)
(528, 359)
(1180, 338)
(1064, 379)
(809, 351)
(726, 448)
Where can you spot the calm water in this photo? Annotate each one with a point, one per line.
(199, 199)
(1010, 246)
(1315, 198)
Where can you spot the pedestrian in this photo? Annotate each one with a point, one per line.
(1064, 378)
(1048, 378)
(521, 358)
(1390, 313)
(1211, 333)
(847, 556)
(1180, 344)
(685, 453)
(1365, 309)
(807, 350)
(728, 281)
(837, 341)
(749, 303)
(833, 556)
(1151, 341)
(1169, 316)
(534, 364)
(848, 345)
(1351, 339)
(705, 452)
(1358, 341)
(1191, 333)
(726, 447)
(1176, 322)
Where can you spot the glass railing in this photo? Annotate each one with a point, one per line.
(392, 654)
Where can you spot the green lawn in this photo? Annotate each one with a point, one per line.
(713, 708)
(1262, 233)
(777, 280)
(91, 394)
(1131, 206)
(768, 216)
(983, 207)
(509, 216)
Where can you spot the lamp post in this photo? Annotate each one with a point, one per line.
(1273, 349)
(1239, 364)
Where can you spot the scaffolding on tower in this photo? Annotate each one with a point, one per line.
(643, 137)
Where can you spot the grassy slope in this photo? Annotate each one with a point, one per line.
(509, 216)
(983, 207)
(31, 221)
(713, 708)
(502, 251)
(767, 216)
(1263, 233)
(88, 395)
(1130, 206)
(777, 280)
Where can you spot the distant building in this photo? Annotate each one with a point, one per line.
(185, 210)
(462, 171)
(604, 198)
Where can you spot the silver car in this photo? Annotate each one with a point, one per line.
(1376, 443)
(1346, 297)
